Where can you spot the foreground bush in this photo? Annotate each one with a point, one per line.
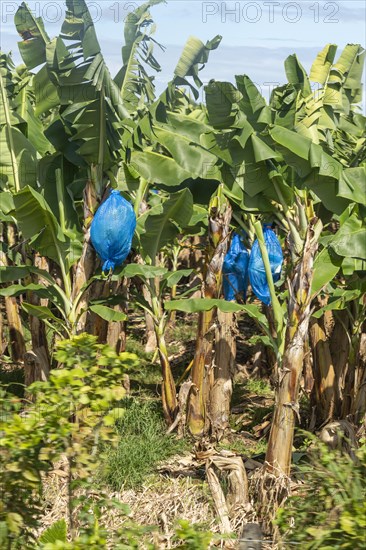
(72, 412)
(328, 512)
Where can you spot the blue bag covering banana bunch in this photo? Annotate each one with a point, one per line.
(235, 270)
(257, 274)
(112, 230)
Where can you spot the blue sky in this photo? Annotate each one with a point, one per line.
(257, 35)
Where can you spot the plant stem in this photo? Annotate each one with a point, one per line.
(277, 310)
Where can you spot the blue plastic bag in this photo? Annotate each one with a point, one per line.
(257, 274)
(112, 230)
(235, 270)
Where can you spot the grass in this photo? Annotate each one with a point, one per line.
(182, 332)
(143, 444)
(258, 387)
(147, 374)
(244, 446)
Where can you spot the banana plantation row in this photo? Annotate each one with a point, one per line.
(194, 173)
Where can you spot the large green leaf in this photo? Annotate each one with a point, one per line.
(158, 168)
(17, 154)
(352, 265)
(39, 224)
(18, 159)
(320, 68)
(296, 75)
(352, 184)
(165, 221)
(35, 38)
(326, 267)
(45, 92)
(339, 299)
(194, 55)
(47, 169)
(252, 102)
(13, 273)
(222, 104)
(145, 271)
(194, 305)
(89, 125)
(344, 82)
(107, 313)
(40, 290)
(350, 239)
(136, 86)
(173, 278)
(289, 139)
(188, 126)
(42, 312)
(191, 157)
(24, 104)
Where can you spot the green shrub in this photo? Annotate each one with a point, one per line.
(191, 537)
(141, 446)
(73, 411)
(328, 512)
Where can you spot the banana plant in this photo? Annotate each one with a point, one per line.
(159, 225)
(18, 164)
(51, 236)
(21, 137)
(281, 166)
(88, 115)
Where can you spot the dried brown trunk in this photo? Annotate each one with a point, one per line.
(83, 271)
(94, 323)
(351, 376)
(354, 379)
(308, 369)
(86, 264)
(202, 371)
(16, 342)
(323, 370)
(116, 336)
(196, 408)
(232, 469)
(169, 393)
(279, 451)
(38, 333)
(16, 337)
(36, 368)
(359, 404)
(340, 349)
(221, 392)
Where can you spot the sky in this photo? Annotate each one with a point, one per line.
(257, 36)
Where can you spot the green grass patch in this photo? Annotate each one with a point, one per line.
(147, 374)
(143, 444)
(183, 330)
(258, 387)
